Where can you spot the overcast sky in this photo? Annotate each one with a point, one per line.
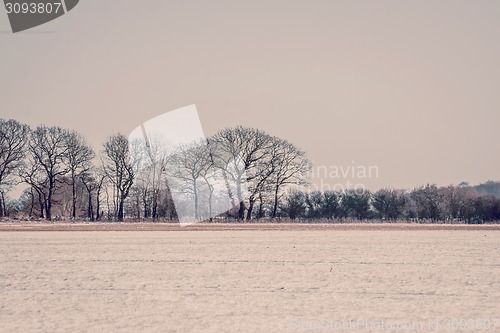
(412, 87)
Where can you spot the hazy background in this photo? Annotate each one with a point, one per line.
(411, 87)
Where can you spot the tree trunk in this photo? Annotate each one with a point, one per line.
(241, 211)
(261, 208)
(145, 204)
(90, 209)
(108, 204)
(228, 187)
(137, 204)
(275, 206)
(120, 211)
(2, 205)
(48, 207)
(48, 210)
(41, 202)
(154, 210)
(73, 188)
(210, 203)
(32, 202)
(195, 191)
(251, 202)
(98, 202)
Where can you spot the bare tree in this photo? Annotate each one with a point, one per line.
(119, 165)
(191, 164)
(93, 182)
(13, 137)
(265, 163)
(260, 176)
(79, 156)
(245, 149)
(155, 164)
(46, 163)
(290, 165)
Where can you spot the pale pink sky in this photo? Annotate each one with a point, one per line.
(411, 87)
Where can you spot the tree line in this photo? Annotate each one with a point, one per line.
(430, 203)
(65, 178)
(262, 176)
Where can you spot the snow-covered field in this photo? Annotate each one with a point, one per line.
(250, 280)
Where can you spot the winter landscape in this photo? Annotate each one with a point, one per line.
(249, 166)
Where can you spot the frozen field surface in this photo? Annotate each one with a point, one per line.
(250, 281)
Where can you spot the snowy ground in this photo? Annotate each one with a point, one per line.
(250, 280)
